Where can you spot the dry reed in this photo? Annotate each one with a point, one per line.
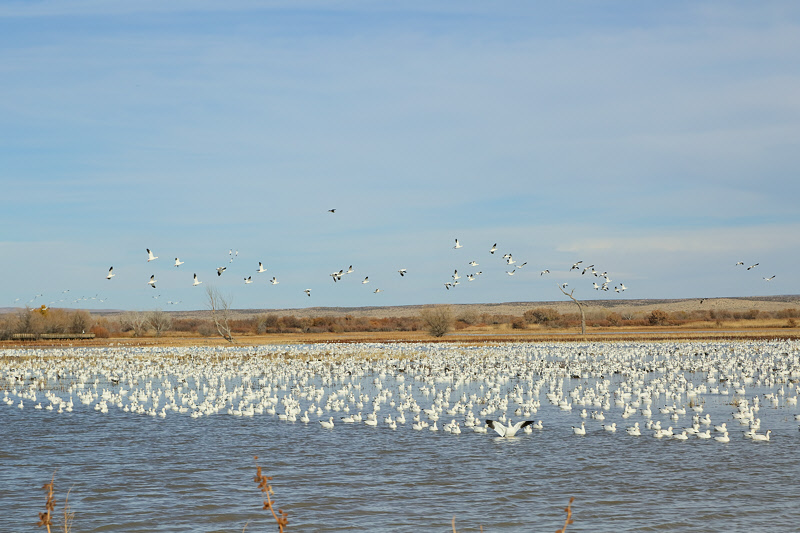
(282, 517)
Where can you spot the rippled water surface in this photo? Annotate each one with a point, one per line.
(136, 472)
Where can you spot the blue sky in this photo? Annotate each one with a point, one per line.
(657, 141)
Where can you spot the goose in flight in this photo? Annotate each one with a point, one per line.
(220, 270)
(586, 269)
(366, 280)
(196, 281)
(178, 262)
(458, 245)
(752, 266)
(473, 263)
(447, 285)
(308, 292)
(576, 266)
(376, 291)
(455, 275)
(739, 263)
(331, 210)
(150, 255)
(402, 272)
(522, 265)
(470, 277)
(261, 268)
(510, 430)
(152, 281)
(337, 275)
(274, 280)
(248, 279)
(350, 270)
(769, 278)
(543, 272)
(510, 273)
(110, 273)
(494, 248)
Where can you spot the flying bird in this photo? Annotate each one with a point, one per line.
(402, 272)
(494, 248)
(308, 292)
(752, 266)
(473, 263)
(337, 275)
(510, 430)
(366, 280)
(376, 291)
(458, 245)
(220, 270)
(196, 281)
(350, 270)
(510, 273)
(455, 275)
(248, 279)
(543, 272)
(178, 262)
(331, 210)
(739, 263)
(150, 255)
(274, 280)
(576, 266)
(152, 281)
(110, 273)
(261, 268)
(769, 278)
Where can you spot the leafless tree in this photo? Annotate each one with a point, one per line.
(220, 307)
(159, 321)
(135, 321)
(438, 320)
(579, 304)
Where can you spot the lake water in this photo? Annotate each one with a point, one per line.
(131, 472)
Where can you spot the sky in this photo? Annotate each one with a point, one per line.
(658, 141)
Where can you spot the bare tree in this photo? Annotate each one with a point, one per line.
(135, 321)
(159, 321)
(579, 304)
(438, 320)
(220, 307)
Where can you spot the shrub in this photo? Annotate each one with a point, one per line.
(658, 318)
(541, 315)
(614, 319)
(100, 332)
(438, 320)
(518, 323)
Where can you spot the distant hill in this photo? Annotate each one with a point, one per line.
(622, 306)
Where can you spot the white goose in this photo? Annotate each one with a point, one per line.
(458, 245)
(178, 262)
(510, 430)
(261, 268)
(274, 280)
(196, 281)
(579, 430)
(150, 256)
(152, 281)
(110, 273)
(327, 424)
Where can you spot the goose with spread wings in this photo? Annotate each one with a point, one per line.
(510, 430)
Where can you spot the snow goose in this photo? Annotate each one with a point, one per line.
(261, 268)
(152, 281)
(308, 292)
(579, 430)
(494, 248)
(757, 436)
(458, 245)
(510, 430)
(110, 273)
(723, 438)
(327, 424)
(402, 272)
(178, 262)
(150, 256)
(220, 270)
(274, 280)
(196, 281)
(248, 279)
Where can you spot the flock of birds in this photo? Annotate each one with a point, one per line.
(601, 280)
(669, 391)
(511, 264)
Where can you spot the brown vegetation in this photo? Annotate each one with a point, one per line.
(534, 322)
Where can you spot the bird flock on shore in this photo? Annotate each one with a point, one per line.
(674, 391)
